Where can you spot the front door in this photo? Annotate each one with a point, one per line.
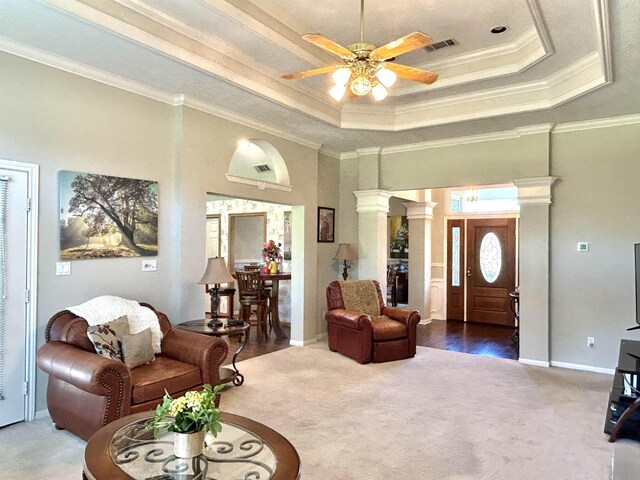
(13, 282)
(490, 275)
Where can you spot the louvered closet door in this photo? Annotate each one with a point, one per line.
(13, 336)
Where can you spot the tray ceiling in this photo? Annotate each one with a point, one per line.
(227, 57)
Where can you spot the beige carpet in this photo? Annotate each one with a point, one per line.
(442, 415)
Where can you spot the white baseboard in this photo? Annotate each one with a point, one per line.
(536, 363)
(425, 321)
(303, 343)
(587, 368)
(42, 414)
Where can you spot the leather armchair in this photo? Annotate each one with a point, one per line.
(379, 333)
(87, 391)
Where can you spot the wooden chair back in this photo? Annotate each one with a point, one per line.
(249, 284)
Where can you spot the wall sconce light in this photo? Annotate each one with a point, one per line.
(345, 252)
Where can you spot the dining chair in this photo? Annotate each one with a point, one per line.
(252, 295)
(392, 285)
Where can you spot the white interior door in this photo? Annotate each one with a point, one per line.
(13, 341)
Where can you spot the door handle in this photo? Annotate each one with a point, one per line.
(469, 272)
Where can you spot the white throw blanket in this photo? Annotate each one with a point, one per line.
(104, 309)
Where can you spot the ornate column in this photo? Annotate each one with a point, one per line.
(534, 197)
(420, 215)
(372, 207)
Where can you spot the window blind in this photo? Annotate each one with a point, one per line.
(4, 185)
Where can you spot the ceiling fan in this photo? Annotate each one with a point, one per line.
(367, 68)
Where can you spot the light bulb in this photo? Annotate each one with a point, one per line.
(386, 77)
(379, 92)
(341, 76)
(338, 91)
(361, 86)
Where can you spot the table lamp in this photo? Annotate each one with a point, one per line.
(215, 274)
(345, 252)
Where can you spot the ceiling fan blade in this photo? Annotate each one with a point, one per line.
(328, 45)
(311, 73)
(402, 45)
(410, 73)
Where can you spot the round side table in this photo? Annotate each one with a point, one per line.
(200, 326)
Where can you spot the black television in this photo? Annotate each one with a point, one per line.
(637, 262)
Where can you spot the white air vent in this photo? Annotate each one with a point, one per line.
(449, 42)
(262, 168)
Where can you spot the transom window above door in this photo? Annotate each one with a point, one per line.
(486, 199)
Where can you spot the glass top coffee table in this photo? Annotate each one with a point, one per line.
(245, 449)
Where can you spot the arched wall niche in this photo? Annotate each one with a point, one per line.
(257, 162)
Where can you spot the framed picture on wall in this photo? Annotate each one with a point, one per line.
(326, 224)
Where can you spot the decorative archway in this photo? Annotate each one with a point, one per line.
(257, 162)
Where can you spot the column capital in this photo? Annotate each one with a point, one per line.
(534, 190)
(419, 210)
(372, 201)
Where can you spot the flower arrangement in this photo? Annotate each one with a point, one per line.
(191, 413)
(271, 251)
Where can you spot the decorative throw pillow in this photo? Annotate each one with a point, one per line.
(105, 337)
(137, 349)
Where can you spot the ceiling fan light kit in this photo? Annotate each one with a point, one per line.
(367, 68)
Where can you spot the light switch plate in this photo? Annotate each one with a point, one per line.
(149, 265)
(583, 246)
(63, 268)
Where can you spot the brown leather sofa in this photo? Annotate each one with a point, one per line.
(87, 391)
(361, 326)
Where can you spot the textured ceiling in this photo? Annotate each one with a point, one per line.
(229, 54)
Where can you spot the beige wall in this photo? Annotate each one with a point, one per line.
(437, 232)
(65, 122)
(348, 218)
(328, 269)
(482, 163)
(596, 200)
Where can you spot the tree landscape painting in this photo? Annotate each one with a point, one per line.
(103, 216)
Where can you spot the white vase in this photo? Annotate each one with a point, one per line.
(188, 445)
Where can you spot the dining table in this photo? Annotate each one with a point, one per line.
(274, 279)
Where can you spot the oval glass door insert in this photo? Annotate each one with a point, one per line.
(490, 257)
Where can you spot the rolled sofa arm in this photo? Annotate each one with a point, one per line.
(87, 371)
(404, 315)
(206, 352)
(349, 319)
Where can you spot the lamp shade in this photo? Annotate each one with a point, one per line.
(345, 252)
(216, 272)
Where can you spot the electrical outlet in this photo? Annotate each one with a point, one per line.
(591, 342)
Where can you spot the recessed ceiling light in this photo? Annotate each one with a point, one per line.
(499, 29)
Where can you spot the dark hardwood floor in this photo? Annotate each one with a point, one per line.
(476, 338)
(254, 347)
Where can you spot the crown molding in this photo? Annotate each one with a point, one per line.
(36, 55)
(449, 142)
(518, 56)
(368, 151)
(348, 155)
(329, 153)
(603, 29)
(223, 47)
(535, 129)
(244, 121)
(158, 37)
(573, 81)
(598, 123)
